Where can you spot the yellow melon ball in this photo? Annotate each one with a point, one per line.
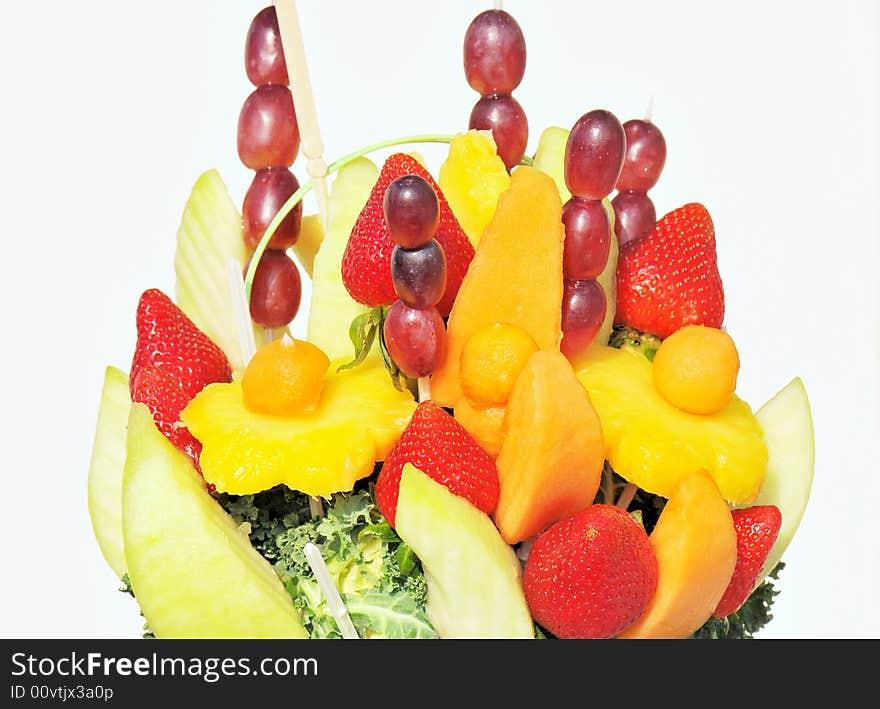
(491, 360)
(284, 377)
(695, 369)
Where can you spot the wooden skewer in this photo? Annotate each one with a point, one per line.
(242, 312)
(626, 496)
(499, 4)
(304, 100)
(649, 111)
(424, 388)
(331, 594)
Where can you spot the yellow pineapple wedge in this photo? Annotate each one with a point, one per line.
(359, 417)
(472, 178)
(653, 444)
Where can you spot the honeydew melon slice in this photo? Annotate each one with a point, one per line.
(331, 308)
(105, 469)
(474, 578)
(194, 573)
(208, 238)
(787, 422)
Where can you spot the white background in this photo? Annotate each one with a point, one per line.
(113, 109)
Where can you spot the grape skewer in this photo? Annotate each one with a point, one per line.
(494, 64)
(594, 155)
(268, 142)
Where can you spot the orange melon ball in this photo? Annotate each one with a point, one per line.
(695, 369)
(491, 360)
(284, 377)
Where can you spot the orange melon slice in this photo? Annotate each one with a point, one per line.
(551, 458)
(515, 276)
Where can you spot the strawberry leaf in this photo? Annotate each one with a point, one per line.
(362, 333)
(390, 365)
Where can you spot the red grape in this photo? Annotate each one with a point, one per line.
(503, 115)
(276, 290)
(412, 211)
(635, 216)
(263, 53)
(270, 189)
(268, 135)
(645, 156)
(416, 339)
(494, 53)
(587, 239)
(594, 155)
(419, 275)
(583, 311)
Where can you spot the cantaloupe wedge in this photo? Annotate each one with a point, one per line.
(551, 459)
(695, 543)
(515, 276)
(485, 425)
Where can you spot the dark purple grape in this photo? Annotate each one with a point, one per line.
(416, 339)
(263, 53)
(412, 211)
(494, 53)
(503, 115)
(276, 290)
(645, 156)
(269, 190)
(634, 216)
(587, 239)
(594, 155)
(583, 311)
(419, 275)
(268, 135)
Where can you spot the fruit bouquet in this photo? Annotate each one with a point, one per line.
(513, 415)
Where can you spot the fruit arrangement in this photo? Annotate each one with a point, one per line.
(513, 415)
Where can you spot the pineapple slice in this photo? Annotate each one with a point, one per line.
(652, 444)
(472, 178)
(359, 417)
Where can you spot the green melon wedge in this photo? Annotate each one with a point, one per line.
(194, 573)
(208, 238)
(105, 469)
(331, 308)
(474, 578)
(787, 422)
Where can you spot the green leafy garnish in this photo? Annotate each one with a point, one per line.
(753, 615)
(644, 342)
(362, 332)
(378, 576)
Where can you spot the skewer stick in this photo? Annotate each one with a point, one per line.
(626, 496)
(424, 388)
(649, 110)
(331, 594)
(304, 100)
(499, 4)
(242, 312)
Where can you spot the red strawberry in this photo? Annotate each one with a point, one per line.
(440, 447)
(168, 339)
(591, 575)
(669, 278)
(164, 395)
(366, 263)
(756, 530)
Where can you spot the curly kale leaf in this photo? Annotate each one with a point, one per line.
(753, 615)
(379, 578)
(147, 634)
(624, 336)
